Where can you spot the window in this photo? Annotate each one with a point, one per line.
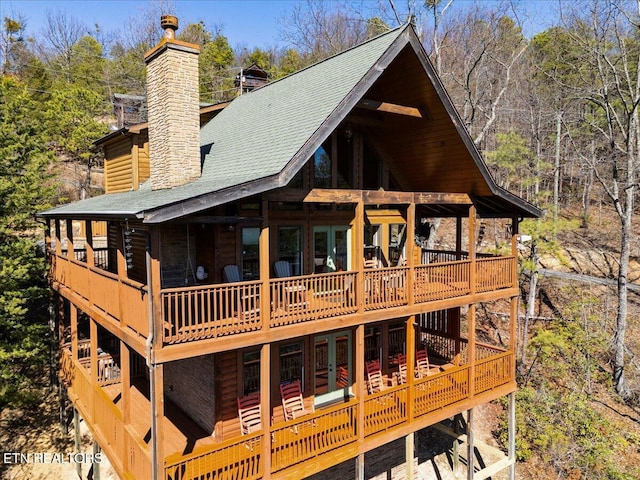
(371, 169)
(250, 372)
(397, 236)
(372, 344)
(396, 341)
(345, 163)
(292, 363)
(322, 166)
(290, 247)
(250, 257)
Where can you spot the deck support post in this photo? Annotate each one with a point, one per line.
(511, 412)
(456, 446)
(359, 379)
(470, 446)
(360, 467)
(96, 465)
(76, 438)
(409, 450)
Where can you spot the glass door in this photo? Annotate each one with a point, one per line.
(332, 367)
(331, 248)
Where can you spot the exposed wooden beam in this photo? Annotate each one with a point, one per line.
(379, 197)
(390, 108)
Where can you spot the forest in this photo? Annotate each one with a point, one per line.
(556, 116)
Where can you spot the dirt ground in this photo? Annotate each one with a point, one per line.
(34, 446)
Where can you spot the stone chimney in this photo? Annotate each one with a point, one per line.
(173, 109)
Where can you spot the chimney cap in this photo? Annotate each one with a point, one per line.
(169, 24)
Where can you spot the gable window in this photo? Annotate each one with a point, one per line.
(345, 163)
(371, 168)
(322, 166)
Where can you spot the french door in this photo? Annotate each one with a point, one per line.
(333, 370)
(331, 248)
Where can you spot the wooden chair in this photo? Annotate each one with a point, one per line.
(343, 378)
(292, 401)
(231, 273)
(402, 369)
(250, 413)
(371, 262)
(422, 364)
(375, 382)
(282, 269)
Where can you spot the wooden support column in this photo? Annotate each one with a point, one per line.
(265, 400)
(89, 243)
(470, 446)
(359, 256)
(76, 438)
(70, 248)
(409, 450)
(154, 343)
(359, 377)
(121, 270)
(472, 348)
(125, 392)
(155, 285)
(263, 255)
(411, 360)
(472, 248)
(96, 465)
(157, 417)
(458, 238)
(511, 412)
(410, 246)
(58, 238)
(360, 467)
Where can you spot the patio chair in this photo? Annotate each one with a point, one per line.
(231, 273)
(343, 378)
(282, 269)
(402, 369)
(250, 413)
(292, 401)
(422, 364)
(375, 382)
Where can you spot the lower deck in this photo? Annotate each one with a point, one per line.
(328, 433)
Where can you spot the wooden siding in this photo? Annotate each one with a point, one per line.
(118, 167)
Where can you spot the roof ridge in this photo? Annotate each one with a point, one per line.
(343, 52)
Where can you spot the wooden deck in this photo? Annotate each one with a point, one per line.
(220, 310)
(298, 447)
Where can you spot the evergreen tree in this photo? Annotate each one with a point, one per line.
(24, 190)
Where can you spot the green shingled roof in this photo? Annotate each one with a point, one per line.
(257, 135)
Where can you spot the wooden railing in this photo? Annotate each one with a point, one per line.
(193, 313)
(314, 435)
(211, 311)
(492, 372)
(122, 445)
(441, 389)
(385, 287)
(300, 299)
(385, 410)
(442, 280)
(122, 299)
(328, 433)
(494, 273)
(238, 458)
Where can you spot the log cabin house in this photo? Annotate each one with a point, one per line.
(261, 305)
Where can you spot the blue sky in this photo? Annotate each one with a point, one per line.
(251, 23)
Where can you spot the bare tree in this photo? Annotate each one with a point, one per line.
(320, 29)
(607, 34)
